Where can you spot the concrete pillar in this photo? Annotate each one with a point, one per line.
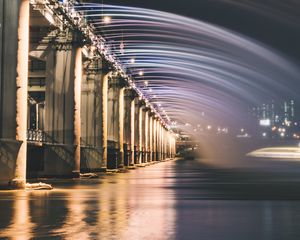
(146, 130)
(14, 45)
(151, 137)
(104, 118)
(19, 179)
(129, 126)
(158, 141)
(170, 145)
(115, 122)
(174, 147)
(77, 111)
(132, 132)
(62, 111)
(137, 131)
(165, 142)
(59, 103)
(162, 143)
(91, 117)
(121, 127)
(154, 139)
(141, 134)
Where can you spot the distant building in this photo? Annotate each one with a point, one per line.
(277, 119)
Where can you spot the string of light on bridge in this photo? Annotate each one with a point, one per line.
(63, 10)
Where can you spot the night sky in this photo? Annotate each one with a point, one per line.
(274, 22)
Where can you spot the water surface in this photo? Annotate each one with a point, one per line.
(172, 200)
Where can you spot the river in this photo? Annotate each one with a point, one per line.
(179, 199)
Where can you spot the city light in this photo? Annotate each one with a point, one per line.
(296, 136)
(264, 122)
(277, 119)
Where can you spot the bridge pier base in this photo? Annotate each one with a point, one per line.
(14, 33)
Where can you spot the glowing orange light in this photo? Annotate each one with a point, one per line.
(107, 19)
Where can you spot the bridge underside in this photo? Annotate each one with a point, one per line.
(64, 108)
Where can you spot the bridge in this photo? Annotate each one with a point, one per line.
(68, 105)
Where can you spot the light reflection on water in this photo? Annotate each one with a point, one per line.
(171, 200)
(134, 205)
(21, 225)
